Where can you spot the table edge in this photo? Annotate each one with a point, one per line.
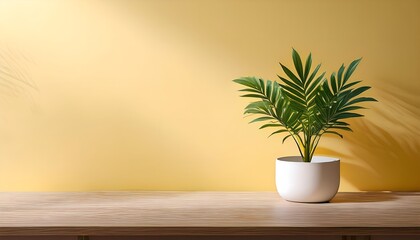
(206, 231)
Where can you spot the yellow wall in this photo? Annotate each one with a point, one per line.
(137, 95)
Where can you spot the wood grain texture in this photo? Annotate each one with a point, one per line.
(205, 213)
(42, 238)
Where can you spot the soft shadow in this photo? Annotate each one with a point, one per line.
(362, 197)
(16, 84)
(14, 73)
(382, 152)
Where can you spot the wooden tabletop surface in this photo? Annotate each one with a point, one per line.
(204, 213)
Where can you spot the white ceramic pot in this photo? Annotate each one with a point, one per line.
(299, 181)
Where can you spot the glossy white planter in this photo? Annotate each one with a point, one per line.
(298, 181)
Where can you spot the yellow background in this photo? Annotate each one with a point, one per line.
(137, 95)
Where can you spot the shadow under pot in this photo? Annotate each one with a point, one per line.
(310, 182)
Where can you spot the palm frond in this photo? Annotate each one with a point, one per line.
(305, 104)
(272, 104)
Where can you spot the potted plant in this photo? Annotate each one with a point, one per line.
(306, 105)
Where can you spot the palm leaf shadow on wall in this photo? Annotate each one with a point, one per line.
(15, 80)
(388, 149)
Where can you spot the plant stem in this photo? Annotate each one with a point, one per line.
(307, 155)
(297, 144)
(316, 141)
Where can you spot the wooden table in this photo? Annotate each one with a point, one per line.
(205, 215)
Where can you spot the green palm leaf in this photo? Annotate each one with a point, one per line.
(305, 104)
